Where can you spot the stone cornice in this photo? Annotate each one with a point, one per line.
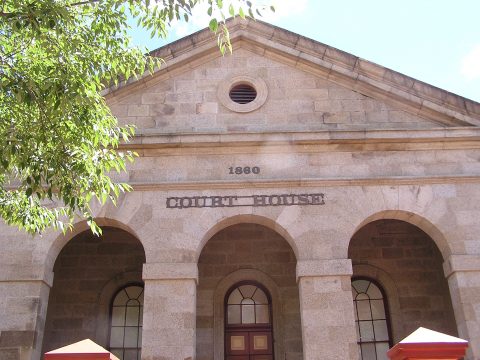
(146, 141)
(303, 183)
(325, 61)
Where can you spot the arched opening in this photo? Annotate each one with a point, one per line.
(255, 256)
(247, 219)
(418, 221)
(405, 262)
(89, 273)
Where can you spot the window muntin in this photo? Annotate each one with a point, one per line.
(248, 304)
(126, 323)
(371, 319)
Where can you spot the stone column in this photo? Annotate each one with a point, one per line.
(169, 311)
(463, 275)
(326, 306)
(23, 311)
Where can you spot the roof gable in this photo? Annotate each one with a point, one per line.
(358, 86)
(295, 101)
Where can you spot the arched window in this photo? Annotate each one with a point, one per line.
(248, 322)
(248, 304)
(371, 319)
(126, 323)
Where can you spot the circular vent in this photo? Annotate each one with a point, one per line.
(243, 94)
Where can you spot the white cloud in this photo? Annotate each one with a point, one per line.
(470, 66)
(181, 28)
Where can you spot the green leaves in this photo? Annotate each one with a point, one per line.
(213, 25)
(58, 138)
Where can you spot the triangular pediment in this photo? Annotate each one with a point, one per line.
(308, 87)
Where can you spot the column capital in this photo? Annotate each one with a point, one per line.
(170, 271)
(323, 267)
(461, 263)
(26, 273)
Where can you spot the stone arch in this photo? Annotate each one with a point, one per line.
(244, 248)
(250, 219)
(88, 271)
(218, 307)
(412, 218)
(395, 249)
(62, 239)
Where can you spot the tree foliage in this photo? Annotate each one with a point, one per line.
(58, 138)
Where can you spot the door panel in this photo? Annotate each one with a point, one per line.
(260, 342)
(238, 343)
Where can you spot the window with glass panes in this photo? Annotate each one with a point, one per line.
(248, 304)
(371, 319)
(126, 323)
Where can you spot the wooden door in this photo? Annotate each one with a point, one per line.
(249, 345)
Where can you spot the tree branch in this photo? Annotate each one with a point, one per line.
(84, 2)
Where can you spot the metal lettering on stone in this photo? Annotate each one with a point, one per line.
(185, 202)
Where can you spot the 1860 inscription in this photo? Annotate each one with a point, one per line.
(238, 170)
(185, 202)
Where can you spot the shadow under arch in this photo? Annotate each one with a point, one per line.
(63, 239)
(419, 221)
(250, 219)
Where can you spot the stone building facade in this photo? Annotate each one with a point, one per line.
(255, 211)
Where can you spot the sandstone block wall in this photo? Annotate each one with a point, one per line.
(289, 162)
(296, 101)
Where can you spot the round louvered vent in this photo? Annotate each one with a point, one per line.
(243, 94)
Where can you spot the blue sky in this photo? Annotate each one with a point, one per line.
(436, 41)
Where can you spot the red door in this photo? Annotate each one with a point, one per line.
(248, 325)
